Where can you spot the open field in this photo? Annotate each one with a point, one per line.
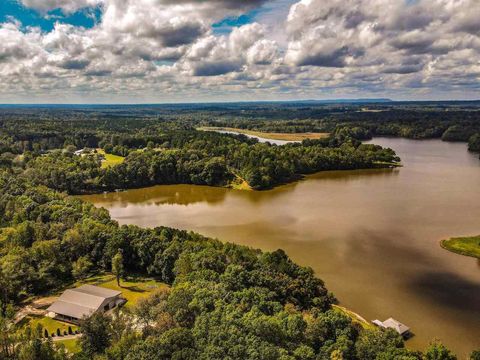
(110, 159)
(270, 135)
(468, 246)
(132, 289)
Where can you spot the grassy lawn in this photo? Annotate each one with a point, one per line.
(71, 345)
(270, 135)
(133, 289)
(468, 246)
(47, 323)
(110, 159)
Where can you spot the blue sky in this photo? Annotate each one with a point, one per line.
(88, 17)
(225, 25)
(12, 9)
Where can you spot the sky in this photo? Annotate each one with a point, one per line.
(157, 51)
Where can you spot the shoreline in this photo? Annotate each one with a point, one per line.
(243, 185)
(356, 318)
(466, 246)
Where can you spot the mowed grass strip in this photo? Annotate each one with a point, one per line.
(468, 246)
(271, 135)
(355, 317)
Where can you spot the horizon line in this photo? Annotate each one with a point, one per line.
(333, 100)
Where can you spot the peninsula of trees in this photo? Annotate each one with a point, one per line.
(158, 152)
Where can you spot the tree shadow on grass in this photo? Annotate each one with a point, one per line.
(133, 288)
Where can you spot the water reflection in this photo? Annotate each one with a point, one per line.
(193, 194)
(162, 195)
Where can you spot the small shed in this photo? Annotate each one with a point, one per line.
(391, 323)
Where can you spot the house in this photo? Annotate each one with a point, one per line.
(75, 304)
(391, 323)
(84, 151)
(79, 152)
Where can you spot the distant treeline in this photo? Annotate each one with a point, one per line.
(127, 127)
(453, 125)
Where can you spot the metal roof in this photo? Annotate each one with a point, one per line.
(98, 291)
(68, 309)
(396, 325)
(82, 301)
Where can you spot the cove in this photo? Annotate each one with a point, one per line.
(372, 236)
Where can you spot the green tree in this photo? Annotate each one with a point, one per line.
(117, 266)
(475, 355)
(96, 331)
(81, 267)
(438, 351)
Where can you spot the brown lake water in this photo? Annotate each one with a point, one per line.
(372, 235)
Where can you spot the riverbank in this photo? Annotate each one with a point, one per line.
(467, 246)
(270, 135)
(356, 318)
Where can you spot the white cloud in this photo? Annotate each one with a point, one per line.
(168, 47)
(68, 6)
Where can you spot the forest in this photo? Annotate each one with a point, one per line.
(223, 301)
(43, 128)
(169, 152)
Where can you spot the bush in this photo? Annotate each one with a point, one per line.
(475, 355)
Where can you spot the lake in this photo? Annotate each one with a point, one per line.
(372, 235)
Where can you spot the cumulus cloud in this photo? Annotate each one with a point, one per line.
(213, 56)
(328, 32)
(68, 6)
(262, 52)
(403, 42)
(321, 47)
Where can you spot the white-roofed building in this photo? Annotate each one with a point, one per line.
(75, 304)
(391, 323)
